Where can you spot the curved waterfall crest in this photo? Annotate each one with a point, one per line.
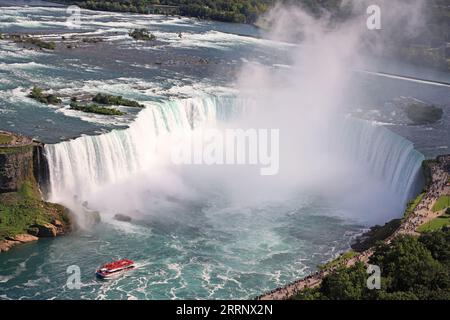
(386, 154)
(88, 163)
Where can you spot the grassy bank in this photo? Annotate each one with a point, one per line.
(440, 222)
(442, 203)
(5, 138)
(437, 223)
(24, 216)
(339, 261)
(23, 210)
(412, 205)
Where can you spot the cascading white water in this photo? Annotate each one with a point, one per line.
(384, 153)
(87, 164)
(83, 165)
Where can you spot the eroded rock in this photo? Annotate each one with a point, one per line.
(46, 230)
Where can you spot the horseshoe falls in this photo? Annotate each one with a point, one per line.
(200, 231)
(82, 167)
(385, 154)
(85, 164)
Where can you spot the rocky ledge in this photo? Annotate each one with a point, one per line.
(10, 242)
(24, 216)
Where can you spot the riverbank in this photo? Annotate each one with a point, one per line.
(241, 11)
(422, 212)
(24, 216)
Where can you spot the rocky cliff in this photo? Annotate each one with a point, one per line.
(24, 216)
(15, 168)
(16, 161)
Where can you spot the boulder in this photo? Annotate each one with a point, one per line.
(57, 223)
(10, 242)
(24, 238)
(122, 217)
(34, 231)
(5, 245)
(46, 230)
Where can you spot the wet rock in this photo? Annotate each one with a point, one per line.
(46, 230)
(57, 223)
(34, 231)
(5, 245)
(122, 217)
(10, 242)
(24, 238)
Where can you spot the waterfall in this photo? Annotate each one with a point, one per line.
(85, 164)
(384, 153)
(88, 163)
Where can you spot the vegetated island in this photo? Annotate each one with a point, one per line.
(142, 34)
(37, 43)
(109, 100)
(39, 95)
(29, 40)
(24, 215)
(116, 100)
(413, 253)
(93, 108)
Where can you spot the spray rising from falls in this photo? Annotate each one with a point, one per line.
(92, 164)
(86, 164)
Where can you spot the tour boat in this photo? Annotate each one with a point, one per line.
(115, 268)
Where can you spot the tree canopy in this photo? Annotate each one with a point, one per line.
(244, 11)
(411, 268)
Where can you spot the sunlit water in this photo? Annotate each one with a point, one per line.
(200, 244)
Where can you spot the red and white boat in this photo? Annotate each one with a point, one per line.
(115, 268)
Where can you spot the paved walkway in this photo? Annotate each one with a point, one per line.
(421, 214)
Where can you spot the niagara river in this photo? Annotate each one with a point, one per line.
(348, 158)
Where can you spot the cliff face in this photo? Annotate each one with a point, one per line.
(24, 216)
(20, 159)
(41, 170)
(16, 166)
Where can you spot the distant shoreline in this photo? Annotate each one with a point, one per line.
(32, 3)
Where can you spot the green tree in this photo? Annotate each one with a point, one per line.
(438, 243)
(407, 265)
(346, 284)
